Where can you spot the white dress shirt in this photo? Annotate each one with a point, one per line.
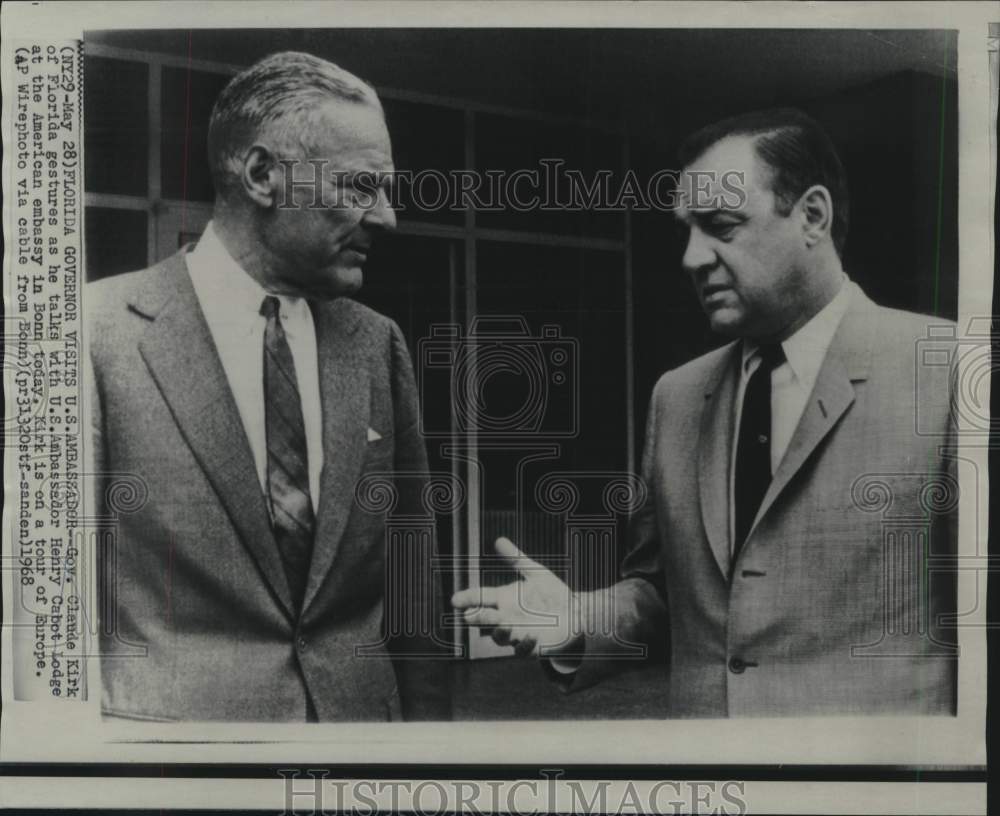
(230, 300)
(791, 384)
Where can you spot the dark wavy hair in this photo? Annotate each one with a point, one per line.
(795, 147)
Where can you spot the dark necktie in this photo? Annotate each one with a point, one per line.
(288, 497)
(753, 450)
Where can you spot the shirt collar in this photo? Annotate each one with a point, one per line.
(806, 349)
(228, 293)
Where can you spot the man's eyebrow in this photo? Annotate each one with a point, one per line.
(708, 213)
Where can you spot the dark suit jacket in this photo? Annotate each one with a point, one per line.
(834, 603)
(198, 621)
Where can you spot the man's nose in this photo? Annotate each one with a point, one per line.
(381, 215)
(698, 253)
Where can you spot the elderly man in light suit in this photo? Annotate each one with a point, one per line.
(760, 556)
(249, 397)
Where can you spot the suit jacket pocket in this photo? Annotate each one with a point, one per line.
(379, 454)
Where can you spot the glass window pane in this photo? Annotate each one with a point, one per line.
(188, 97)
(408, 278)
(550, 374)
(578, 160)
(580, 296)
(116, 241)
(428, 142)
(116, 126)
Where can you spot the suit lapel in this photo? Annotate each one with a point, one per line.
(179, 351)
(714, 449)
(345, 393)
(847, 361)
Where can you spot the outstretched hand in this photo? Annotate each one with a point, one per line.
(537, 614)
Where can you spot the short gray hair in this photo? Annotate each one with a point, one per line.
(280, 96)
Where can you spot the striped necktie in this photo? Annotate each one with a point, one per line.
(290, 504)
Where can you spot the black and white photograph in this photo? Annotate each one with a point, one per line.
(576, 390)
(530, 348)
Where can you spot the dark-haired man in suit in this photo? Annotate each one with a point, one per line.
(250, 397)
(759, 555)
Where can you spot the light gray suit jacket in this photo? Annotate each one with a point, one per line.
(836, 598)
(197, 617)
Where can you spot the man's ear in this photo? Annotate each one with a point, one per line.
(816, 204)
(262, 176)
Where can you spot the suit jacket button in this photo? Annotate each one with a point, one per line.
(301, 644)
(737, 665)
